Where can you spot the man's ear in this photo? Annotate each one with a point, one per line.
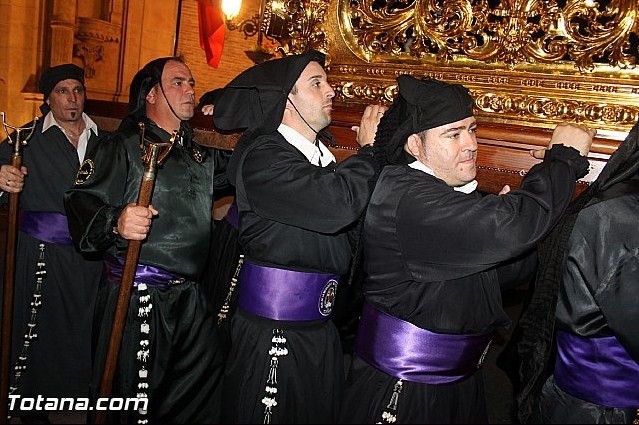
(413, 144)
(288, 111)
(151, 96)
(289, 105)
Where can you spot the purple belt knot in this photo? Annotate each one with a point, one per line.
(286, 295)
(405, 351)
(597, 370)
(154, 277)
(50, 227)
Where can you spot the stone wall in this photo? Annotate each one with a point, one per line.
(21, 50)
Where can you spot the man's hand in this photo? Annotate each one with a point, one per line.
(12, 179)
(207, 109)
(572, 135)
(368, 125)
(134, 222)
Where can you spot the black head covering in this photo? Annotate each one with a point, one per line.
(419, 105)
(256, 98)
(144, 81)
(527, 359)
(52, 76)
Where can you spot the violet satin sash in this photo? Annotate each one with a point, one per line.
(232, 216)
(405, 351)
(286, 295)
(597, 370)
(152, 276)
(51, 227)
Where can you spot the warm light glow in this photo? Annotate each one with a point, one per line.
(231, 8)
(590, 3)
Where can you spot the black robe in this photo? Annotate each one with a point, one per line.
(185, 363)
(59, 360)
(432, 258)
(598, 296)
(293, 215)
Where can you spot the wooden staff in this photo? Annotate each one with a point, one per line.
(10, 265)
(153, 154)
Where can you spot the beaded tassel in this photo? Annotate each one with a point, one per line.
(278, 348)
(389, 416)
(224, 311)
(636, 421)
(144, 310)
(31, 333)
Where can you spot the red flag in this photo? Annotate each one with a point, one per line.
(211, 21)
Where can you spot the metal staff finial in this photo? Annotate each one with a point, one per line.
(18, 131)
(153, 153)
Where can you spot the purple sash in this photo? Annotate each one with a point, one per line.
(232, 216)
(154, 277)
(597, 370)
(286, 295)
(51, 227)
(405, 351)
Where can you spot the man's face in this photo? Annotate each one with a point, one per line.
(313, 98)
(66, 101)
(449, 150)
(178, 85)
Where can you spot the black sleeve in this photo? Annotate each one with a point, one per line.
(209, 98)
(94, 203)
(494, 228)
(518, 271)
(221, 185)
(284, 187)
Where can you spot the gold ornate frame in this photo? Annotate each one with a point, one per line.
(526, 62)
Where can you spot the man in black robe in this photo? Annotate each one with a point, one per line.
(170, 349)
(580, 324)
(295, 208)
(51, 338)
(435, 253)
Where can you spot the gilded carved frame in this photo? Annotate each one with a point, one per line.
(526, 62)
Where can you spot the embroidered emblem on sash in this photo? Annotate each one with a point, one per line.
(327, 298)
(85, 172)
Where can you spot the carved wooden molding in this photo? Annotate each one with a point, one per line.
(295, 24)
(509, 32)
(526, 62)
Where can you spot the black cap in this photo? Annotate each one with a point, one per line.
(52, 76)
(420, 105)
(256, 98)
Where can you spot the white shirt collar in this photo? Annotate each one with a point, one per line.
(308, 148)
(89, 126)
(467, 188)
